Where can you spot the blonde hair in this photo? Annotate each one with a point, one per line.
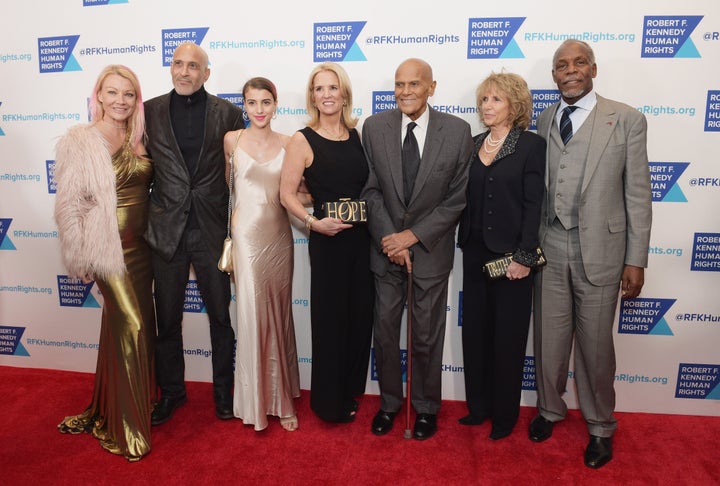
(514, 87)
(136, 124)
(345, 90)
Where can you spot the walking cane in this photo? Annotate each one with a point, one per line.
(408, 361)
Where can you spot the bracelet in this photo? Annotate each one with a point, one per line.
(309, 220)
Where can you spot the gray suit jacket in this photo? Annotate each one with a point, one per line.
(615, 212)
(174, 189)
(438, 195)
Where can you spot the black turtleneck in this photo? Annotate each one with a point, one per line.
(187, 115)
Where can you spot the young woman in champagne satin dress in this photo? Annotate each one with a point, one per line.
(267, 380)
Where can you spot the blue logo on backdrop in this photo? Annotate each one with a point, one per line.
(712, 112)
(335, 41)
(383, 101)
(541, 99)
(669, 36)
(92, 3)
(528, 381)
(663, 181)
(238, 100)
(706, 252)
(699, 381)
(1, 130)
(644, 316)
(171, 38)
(193, 299)
(50, 169)
(73, 293)
(10, 341)
(492, 38)
(55, 54)
(5, 243)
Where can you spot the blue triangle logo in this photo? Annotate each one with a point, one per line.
(7, 244)
(714, 394)
(20, 350)
(72, 64)
(662, 328)
(2, 134)
(688, 50)
(512, 51)
(355, 54)
(675, 194)
(91, 302)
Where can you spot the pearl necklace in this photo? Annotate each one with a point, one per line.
(484, 147)
(489, 142)
(494, 143)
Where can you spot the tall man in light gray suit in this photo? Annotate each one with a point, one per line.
(419, 160)
(595, 230)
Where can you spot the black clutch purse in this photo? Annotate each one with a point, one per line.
(497, 268)
(353, 211)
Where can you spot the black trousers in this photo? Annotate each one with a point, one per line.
(341, 313)
(170, 281)
(495, 322)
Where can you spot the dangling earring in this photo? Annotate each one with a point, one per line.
(274, 115)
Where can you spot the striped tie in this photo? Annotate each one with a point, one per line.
(566, 129)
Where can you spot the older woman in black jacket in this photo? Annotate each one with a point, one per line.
(502, 216)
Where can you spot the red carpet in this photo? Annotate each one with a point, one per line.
(196, 448)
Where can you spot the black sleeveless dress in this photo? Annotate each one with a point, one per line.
(342, 285)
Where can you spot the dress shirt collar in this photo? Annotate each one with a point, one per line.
(586, 103)
(422, 121)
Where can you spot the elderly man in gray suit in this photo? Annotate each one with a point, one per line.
(595, 231)
(419, 160)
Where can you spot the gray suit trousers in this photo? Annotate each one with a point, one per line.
(429, 317)
(568, 306)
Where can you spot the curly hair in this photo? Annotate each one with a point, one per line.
(514, 87)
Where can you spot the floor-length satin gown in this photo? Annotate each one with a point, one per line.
(266, 368)
(123, 395)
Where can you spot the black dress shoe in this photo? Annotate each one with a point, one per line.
(165, 408)
(498, 433)
(598, 452)
(383, 422)
(351, 408)
(425, 426)
(224, 407)
(540, 429)
(472, 419)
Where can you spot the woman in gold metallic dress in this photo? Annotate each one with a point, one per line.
(103, 178)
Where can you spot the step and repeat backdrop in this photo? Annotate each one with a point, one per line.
(660, 57)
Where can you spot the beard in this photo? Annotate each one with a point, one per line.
(573, 93)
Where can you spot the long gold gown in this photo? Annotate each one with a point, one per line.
(123, 395)
(266, 367)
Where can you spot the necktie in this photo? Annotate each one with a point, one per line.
(410, 160)
(566, 129)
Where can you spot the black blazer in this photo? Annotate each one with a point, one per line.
(174, 189)
(512, 195)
